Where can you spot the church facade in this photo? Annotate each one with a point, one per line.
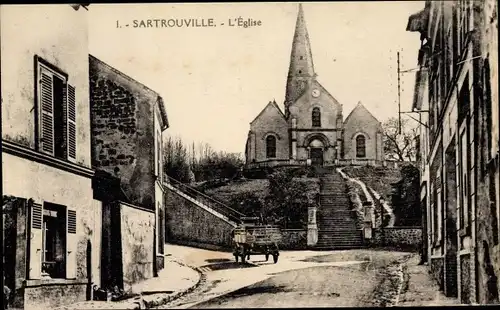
(312, 129)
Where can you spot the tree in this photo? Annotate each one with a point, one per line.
(400, 145)
(176, 159)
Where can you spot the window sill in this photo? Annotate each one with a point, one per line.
(48, 282)
(30, 154)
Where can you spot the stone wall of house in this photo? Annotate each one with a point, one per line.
(403, 237)
(188, 221)
(137, 243)
(437, 270)
(293, 239)
(488, 203)
(123, 137)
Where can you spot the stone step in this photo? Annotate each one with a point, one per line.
(339, 243)
(336, 229)
(338, 247)
(326, 219)
(329, 233)
(346, 222)
(335, 222)
(339, 234)
(340, 238)
(345, 227)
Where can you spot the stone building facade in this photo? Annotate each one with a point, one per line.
(128, 120)
(456, 93)
(312, 129)
(53, 231)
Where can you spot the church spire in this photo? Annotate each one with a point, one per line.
(301, 68)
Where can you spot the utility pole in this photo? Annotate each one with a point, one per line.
(399, 97)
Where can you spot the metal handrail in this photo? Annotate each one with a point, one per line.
(219, 206)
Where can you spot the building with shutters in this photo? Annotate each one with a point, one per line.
(456, 93)
(81, 149)
(311, 130)
(53, 230)
(128, 120)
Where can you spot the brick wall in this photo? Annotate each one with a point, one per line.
(189, 222)
(123, 137)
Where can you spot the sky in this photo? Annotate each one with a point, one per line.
(215, 80)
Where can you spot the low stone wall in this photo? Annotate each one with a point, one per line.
(188, 221)
(401, 237)
(137, 232)
(294, 239)
(437, 271)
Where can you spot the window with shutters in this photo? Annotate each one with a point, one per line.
(56, 113)
(158, 155)
(53, 241)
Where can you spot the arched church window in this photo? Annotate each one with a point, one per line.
(316, 117)
(271, 147)
(360, 146)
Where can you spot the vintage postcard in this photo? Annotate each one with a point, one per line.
(266, 154)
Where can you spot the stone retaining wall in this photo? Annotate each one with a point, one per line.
(403, 237)
(294, 239)
(189, 221)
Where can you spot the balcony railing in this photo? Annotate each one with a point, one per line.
(210, 202)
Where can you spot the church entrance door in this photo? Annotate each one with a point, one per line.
(317, 156)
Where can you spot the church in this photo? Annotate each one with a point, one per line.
(311, 130)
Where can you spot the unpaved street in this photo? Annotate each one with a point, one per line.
(299, 279)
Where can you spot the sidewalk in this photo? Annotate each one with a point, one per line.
(174, 281)
(422, 290)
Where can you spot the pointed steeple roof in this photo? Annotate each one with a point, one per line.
(301, 62)
(301, 69)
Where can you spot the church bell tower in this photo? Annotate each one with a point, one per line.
(301, 70)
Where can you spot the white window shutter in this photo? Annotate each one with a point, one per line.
(71, 245)
(35, 240)
(46, 112)
(71, 123)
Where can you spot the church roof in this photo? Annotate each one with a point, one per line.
(358, 109)
(301, 55)
(301, 61)
(271, 104)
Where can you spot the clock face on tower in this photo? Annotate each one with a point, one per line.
(315, 93)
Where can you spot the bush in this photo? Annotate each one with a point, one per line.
(289, 199)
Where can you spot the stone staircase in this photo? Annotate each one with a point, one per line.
(336, 223)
